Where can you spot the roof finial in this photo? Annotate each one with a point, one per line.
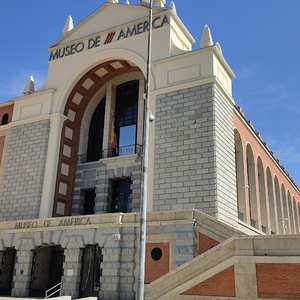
(206, 39)
(29, 87)
(68, 25)
(159, 3)
(173, 7)
(127, 2)
(218, 46)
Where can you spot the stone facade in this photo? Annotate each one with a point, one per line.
(71, 167)
(185, 150)
(24, 171)
(194, 154)
(98, 176)
(118, 237)
(225, 158)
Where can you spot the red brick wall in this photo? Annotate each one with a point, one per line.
(154, 269)
(219, 285)
(7, 109)
(278, 281)
(206, 243)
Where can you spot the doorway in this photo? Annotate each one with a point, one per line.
(91, 271)
(7, 266)
(47, 269)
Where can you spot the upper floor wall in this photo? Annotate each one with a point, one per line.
(268, 199)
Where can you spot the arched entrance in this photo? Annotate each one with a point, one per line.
(85, 89)
(47, 269)
(7, 266)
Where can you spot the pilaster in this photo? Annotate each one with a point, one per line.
(56, 124)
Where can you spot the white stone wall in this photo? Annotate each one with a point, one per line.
(225, 158)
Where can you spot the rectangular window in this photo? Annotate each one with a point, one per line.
(121, 192)
(89, 202)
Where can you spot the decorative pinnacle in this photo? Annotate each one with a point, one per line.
(218, 46)
(68, 25)
(206, 39)
(29, 87)
(127, 2)
(159, 3)
(173, 7)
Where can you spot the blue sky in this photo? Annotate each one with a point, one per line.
(259, 39)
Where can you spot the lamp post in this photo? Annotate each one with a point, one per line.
(144, 179)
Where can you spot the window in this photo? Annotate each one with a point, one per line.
(126, 115)
(95, 141)
(121, 191)
(89, 202)
(4, 119)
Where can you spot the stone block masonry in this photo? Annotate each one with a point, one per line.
(24, 171)
(99, 176)
(184, 154)
(194, 152)
(225, 159)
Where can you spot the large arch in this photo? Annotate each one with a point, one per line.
(286, 221)
(295, 215)
(291, 213)
(272, 203)
(262, 195)
(280, 217)
(80, 96)
(241, 185)
(94, 61)
(253, 203)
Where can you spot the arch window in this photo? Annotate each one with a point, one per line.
(262, 195)
(95, 142)
(280, 218)
(126, 115)
(241, 185)
(110, 126)
(4, 119)
(291, 213)
(252, 188)
(271, 202)
(285, 220)
(295, 216)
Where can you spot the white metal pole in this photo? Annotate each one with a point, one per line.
(144, 179)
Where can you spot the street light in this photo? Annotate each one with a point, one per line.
(144, 179)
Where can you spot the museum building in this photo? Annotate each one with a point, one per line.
(223, 213)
